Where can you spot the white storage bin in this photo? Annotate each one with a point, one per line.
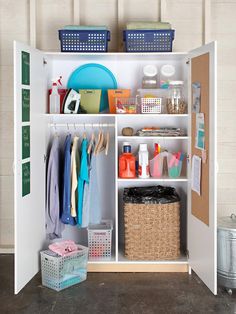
(100, 240)
(151, 105)
(60, 272)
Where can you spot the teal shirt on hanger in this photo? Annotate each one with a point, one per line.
(83, 177)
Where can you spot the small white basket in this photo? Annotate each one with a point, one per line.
(151, 105)
(100, 241)
(60, 272)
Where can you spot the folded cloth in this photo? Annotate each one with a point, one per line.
(148, 25)
(85, 28)
(64, 248)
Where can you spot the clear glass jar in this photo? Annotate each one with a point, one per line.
(175, 101)
(150, 79)
(167, 74)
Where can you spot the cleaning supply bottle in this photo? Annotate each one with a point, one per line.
(143, 169)
(54, 98)
(127, 163)
(157, 149)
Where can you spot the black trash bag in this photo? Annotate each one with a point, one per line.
(151, 195)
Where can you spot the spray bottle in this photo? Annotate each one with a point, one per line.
(143, 169)
(54, 98)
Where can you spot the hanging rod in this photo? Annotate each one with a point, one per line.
(93, 125)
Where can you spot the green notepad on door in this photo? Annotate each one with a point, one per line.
(90, 99)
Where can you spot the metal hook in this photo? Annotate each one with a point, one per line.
(68, 129)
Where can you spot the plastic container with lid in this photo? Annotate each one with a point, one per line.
(175, 101)
(166, 75)
(150, 79)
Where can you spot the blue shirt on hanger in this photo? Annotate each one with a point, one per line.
(66, 217)
(83, 177)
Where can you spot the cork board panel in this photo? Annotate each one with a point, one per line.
(200, 73)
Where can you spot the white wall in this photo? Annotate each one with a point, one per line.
(187, 18)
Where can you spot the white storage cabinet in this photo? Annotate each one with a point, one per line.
(197, 238)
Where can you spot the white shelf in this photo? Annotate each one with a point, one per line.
(165, 179)
(181, 260)
(76, 116)
(152, 137)
(132, 55)
(115, 115)
(159, 115)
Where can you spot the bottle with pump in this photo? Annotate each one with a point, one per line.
(127, 163)
(54, 98)
(143, 169)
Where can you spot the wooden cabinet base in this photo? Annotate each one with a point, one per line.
(132, 267)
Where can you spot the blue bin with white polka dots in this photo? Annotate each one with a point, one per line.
(148, 40)
(84, 40)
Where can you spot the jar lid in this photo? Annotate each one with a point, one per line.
(168, 70)
(227, 223)
(126, 144)
(176, 83)
(150, 70)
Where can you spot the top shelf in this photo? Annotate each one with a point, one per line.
(171, 56)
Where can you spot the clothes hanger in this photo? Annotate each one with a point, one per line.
(91, 141)
(98, 140)
(68, 129)
(75, 131)
(84, 134)
(101, 145)
(55, 129)
(107, 140)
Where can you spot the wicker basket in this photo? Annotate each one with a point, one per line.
(152, 231)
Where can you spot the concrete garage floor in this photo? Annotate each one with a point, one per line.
(114, 293)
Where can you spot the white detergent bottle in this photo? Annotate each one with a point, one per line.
(54, 98)
(143, 167)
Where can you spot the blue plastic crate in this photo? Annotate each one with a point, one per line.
(148, 40)
(84, 40)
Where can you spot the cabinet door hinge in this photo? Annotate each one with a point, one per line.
(44, 158)
(187, 254)
(188, 158)
(44, 61)
(188, 61)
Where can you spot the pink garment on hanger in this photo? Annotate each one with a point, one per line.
(64, 248)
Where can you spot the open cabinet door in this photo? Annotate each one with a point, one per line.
(29, 166)
(202, 209)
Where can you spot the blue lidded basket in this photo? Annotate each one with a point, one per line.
(148, 40)
(84, 40)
